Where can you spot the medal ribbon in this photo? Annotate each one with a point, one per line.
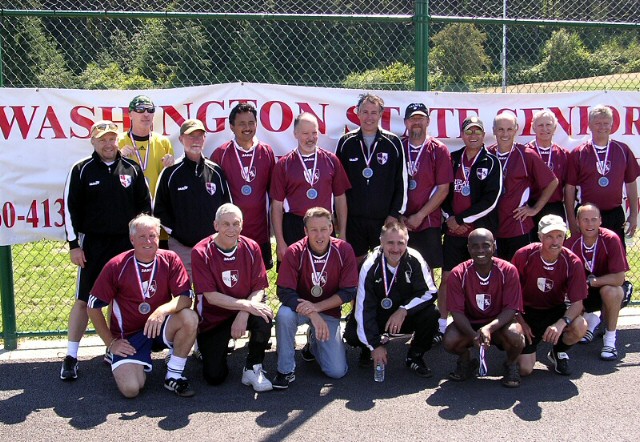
(482, 369)
(387, 286)
(309, 174)
(414, 165)
(589, 264)
(504, 166)
(464, 173)
(535, 143)
(245, 176)
(367, 159)
(143, 164)
(316, 278)
(139, 276)
(602, 165)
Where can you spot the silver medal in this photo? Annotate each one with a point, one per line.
(246, 190)
(412, 184)
(386, 303)
(466, 191)
(312, 194)
(603, 181)
(316, 291)
(144, 308)
(367, 172)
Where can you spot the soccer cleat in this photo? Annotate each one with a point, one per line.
(609, 353)
(69, 370)
(256, 378)
(282, 380)
(179, 386)
(560, 361)
(417, 365)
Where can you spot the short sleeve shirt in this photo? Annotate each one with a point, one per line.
(609, 253)
(557, 160)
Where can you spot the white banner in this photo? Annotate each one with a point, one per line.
(45, 131)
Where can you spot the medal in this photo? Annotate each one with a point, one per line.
(245, 174)
(367, 172)
(603, 181)
(143, 164)
(312, 194)
(386, 303)
(246, 190)
(589, 264)
(466, 191)
(412, 184)
(144, 308)
(316, 277)
(601, 166)
(316, 291)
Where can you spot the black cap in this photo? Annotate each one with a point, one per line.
(416, 109)
(470, 122)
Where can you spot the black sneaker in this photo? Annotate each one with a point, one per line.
(417, 365)
(306, 353)
(69, 370)
(560, 362)
(365, 360)
(179, 386)
(282, 380)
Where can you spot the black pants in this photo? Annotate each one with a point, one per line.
(423, 323)
(213, 346)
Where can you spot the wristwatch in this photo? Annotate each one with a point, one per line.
(566, 320)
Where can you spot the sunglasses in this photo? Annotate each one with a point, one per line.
(104, 126)
(142, 109)
(473, 132)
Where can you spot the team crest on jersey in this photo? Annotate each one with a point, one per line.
(383, 157)
(149, 289)
(544, 284)
(125, 180)
(482, 172)
(314, 179)
(248, 175)
(483, 301)
(230, 278)
(603, 167)
(319, 278)
(211, 188)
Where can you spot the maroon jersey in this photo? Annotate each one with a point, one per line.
(482, 301)
(237, 273)
(556, 158)
(609, 253)
(587, 166)
(251, 170)
(429, 166)
(335, 270)
(522, 171)
(290, 185)
(128, 284)
(545, 285)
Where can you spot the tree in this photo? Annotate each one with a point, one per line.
(458, 52)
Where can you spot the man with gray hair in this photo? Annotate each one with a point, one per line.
(151, 296)
(598, 170)
(230, 281)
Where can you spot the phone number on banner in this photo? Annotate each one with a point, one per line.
(41, 214)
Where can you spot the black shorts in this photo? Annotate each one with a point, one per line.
(292, 228)
(593, 302)
(429, 243)
(556, 208)
(363, 234)
(507, 247)
(267, 257)
(539, 320)
(98, 250)
(614, 220)
(455, 251)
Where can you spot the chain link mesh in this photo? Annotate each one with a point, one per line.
(92, 44)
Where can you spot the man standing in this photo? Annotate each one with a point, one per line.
(189, 194)
(430, 174)
(151, 150)
(248, 164)
(470, 204)
(484, 296)
(555, 157)
(600, 168)
(605, 262)
(549, 273)
(229, 278)
(374, 162)
(102, 194)
(139, 284)
(306, 177)
(395, 295)
(318, 275)
(522, 171)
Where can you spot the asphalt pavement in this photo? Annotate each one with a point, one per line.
(599, 401)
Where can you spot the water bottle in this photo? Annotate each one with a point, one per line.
(378, 374)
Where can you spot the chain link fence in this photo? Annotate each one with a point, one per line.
(490, 46)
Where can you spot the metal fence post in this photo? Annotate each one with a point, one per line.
(421, 18)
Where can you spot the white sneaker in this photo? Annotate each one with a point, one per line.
(256, 378)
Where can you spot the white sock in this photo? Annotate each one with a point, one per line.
(442, 325)
(592, 321)
(72, 348)
(609, 338)
(175, 367)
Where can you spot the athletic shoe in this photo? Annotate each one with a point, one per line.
(417, 365)
(587, 338)
(511, 378)
(69, 370)
(256, 378)
(464, 370)
(197, 354)
(560, 361)
(108, 357)
(179, 386)
(627, 289)
(365, 360)
(282, 380)
(438, 337)
(230, 346)
(306, 353)
(609, 353)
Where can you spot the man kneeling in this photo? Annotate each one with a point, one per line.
(145, 316)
